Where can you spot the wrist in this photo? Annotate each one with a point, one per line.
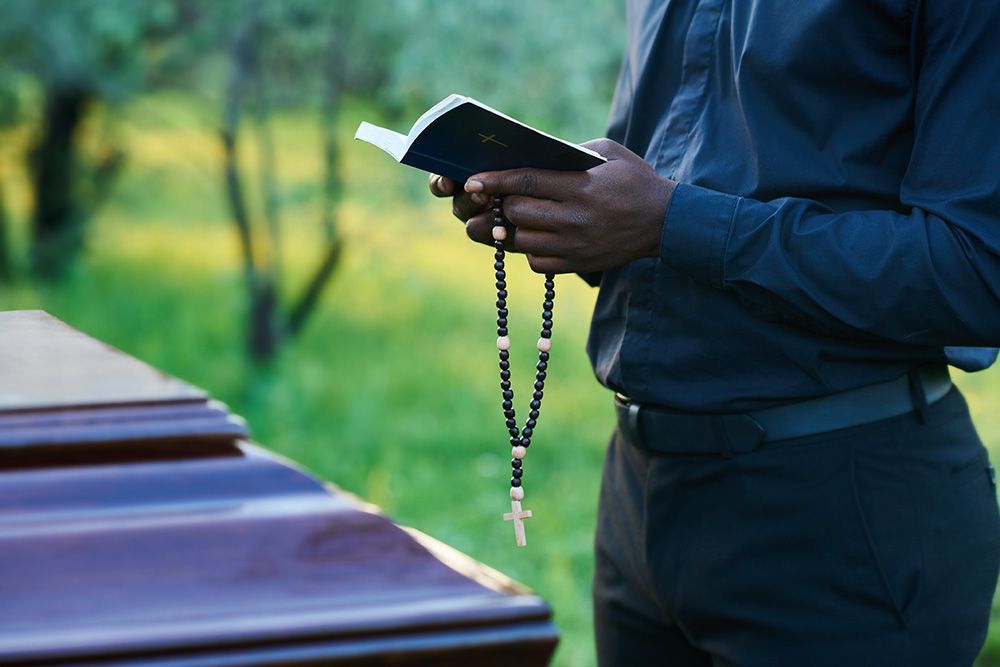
(658, 215)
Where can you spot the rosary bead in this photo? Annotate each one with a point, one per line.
(515, 482)
(508, 395)
(525, 442)
(513, 432)
(504, 355)
(518, 452)
(514, 442)
(501, 276)
(544, 344)
(501, 331)
(533, 414)
(550, 282)
(508, 406)
(498, 265)
(530, 424)
(515, 463)
(505, 384)
(504, 365)
(547, 324)
(545, 334)
(539, 385)
(546, 314)
(501, 302)
(502, 312)
(541, 375)
(508, 412)
(537, 394)
(527, 432)
(505, 374)
(511, 423)
(516, 493)
(503, 343)
(501, 321)
(499, 233)
(549, 295)
(544, 356)
(502, 294)
(501, 284)
(516, 473)
(541, 365)
(547, 304)
(535, 404)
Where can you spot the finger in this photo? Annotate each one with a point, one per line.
(480, 228)
(540, 183)
(543, 264)
(464, 205)
(440, 186)
(533, 242)
(532, 213)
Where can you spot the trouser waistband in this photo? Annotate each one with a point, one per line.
(673, 432)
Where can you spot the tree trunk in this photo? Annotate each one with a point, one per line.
(58, 218)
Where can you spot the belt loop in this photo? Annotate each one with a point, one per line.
(633, 422)
(918, 395)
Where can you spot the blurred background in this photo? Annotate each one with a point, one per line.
(178, 178)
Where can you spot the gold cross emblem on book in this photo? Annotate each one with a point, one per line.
(491, 137)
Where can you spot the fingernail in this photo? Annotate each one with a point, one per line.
(473, 186)
(479, 198)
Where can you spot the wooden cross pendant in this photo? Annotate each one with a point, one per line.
(516, 515)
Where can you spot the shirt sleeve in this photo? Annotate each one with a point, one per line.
(927, 273)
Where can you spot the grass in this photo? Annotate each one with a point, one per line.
(391, 390)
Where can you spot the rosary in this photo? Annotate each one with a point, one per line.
(520, 439)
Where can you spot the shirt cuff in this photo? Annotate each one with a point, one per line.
(695, 231)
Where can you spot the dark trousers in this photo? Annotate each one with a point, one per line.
(874, 545)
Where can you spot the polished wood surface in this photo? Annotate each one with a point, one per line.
(199, 548)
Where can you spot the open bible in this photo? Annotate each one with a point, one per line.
(460, 136)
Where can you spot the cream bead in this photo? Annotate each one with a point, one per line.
(516, 493)
(499, 233)
(518, 451)
(503, 343)
(544, 344)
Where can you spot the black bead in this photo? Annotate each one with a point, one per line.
(547, 305)
(515, 482)
(550, 284)
(505, 375)
(549, 295)
(502, 294)
(516, 473)
(508, 395)
(527, 432)
(498, 255)
(509, 412)
(502, 312)
(546, 314)
(541, 375)
(511, 423)
(533, 414)
(504, 364)
(545, 333)
(501, 321)
(541, 365)
(507, 405)
(537, 394)
(546, 324)
(542, 356)
(513, 432)
(501, 275)
(498, 265)
(525, 442)
(531, 423)
(504, 355)
(515, 463)
(539, 384)
(502, 331)
(505, 384)
(515, 442)
(498, 245)
(535, 404)
(501, 284)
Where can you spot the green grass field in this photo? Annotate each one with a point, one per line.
(391, 391)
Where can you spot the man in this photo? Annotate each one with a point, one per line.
(811, 234)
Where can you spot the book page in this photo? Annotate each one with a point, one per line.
(436, 111)
(393, 143)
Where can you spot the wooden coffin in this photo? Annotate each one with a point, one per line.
(138, 526)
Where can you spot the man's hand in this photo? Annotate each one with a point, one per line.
(572, 221)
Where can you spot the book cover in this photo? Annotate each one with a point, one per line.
(460, 136)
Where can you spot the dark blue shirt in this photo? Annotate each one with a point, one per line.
(837, 220)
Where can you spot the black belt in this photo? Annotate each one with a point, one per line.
(671, 432)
